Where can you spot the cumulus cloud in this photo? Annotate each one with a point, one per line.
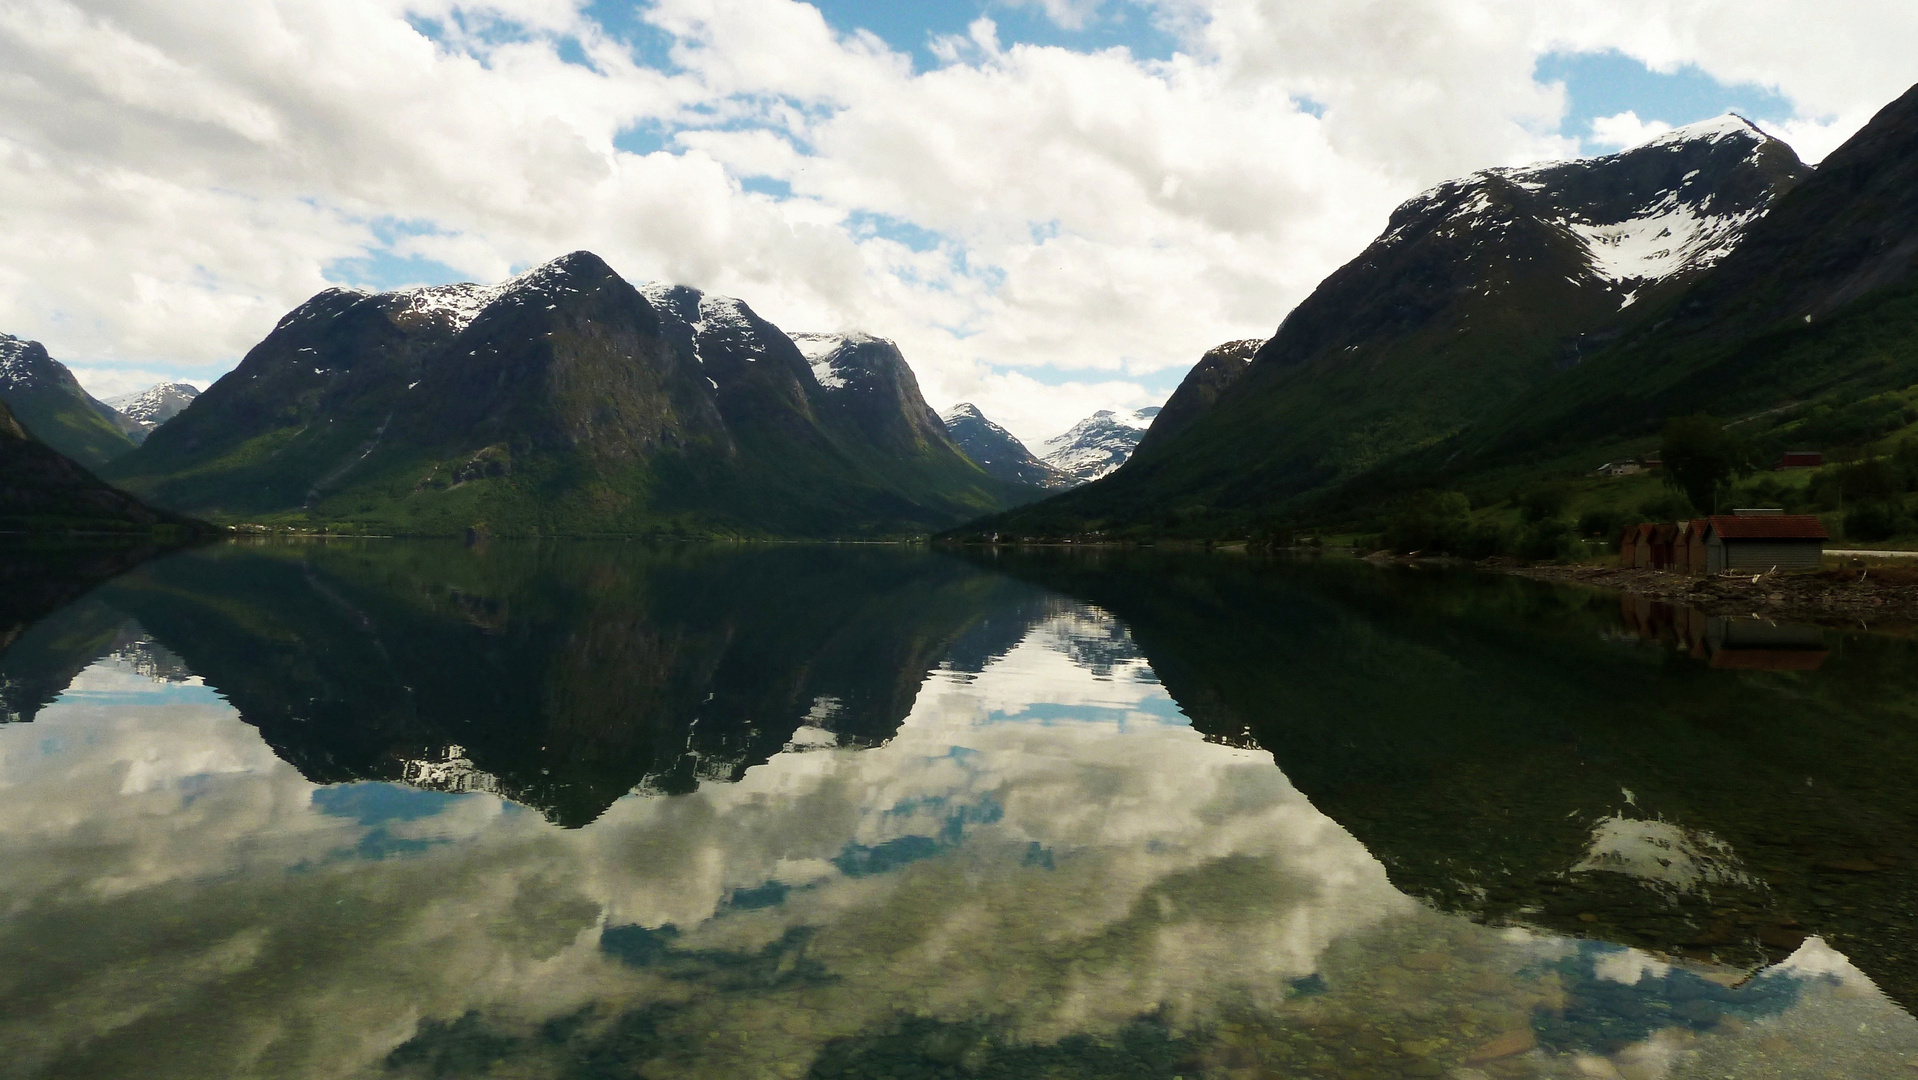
(1625, 129)
(1045, 231)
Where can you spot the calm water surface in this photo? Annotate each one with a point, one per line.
(418, 810)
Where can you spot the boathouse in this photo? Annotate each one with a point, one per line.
(1760, 540)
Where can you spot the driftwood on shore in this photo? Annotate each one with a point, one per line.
(1874, 596)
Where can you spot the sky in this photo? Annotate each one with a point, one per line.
(1053, 206)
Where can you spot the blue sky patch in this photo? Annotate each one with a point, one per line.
(156, 692)
(375, 803)
(911, 27)
(1609, 83)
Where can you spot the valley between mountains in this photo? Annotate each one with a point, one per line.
(1509, 330)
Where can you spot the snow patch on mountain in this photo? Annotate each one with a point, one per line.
(1667, 238)
(820, 350)
(1099, 444)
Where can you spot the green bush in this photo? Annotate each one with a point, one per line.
(1546, 540)
(1875, 519)
(1826, 489)
(1542, 503)
(1429, 521)
(1603, 524)
(1670, 506)
(1873, 478)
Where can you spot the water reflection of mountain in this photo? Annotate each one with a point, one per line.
(561, 676)
(1505, 751)
(39, 577)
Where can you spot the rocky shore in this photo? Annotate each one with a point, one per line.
(1879, 597)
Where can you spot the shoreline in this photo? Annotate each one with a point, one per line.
(1873, 598)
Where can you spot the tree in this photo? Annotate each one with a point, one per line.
(1700, 457)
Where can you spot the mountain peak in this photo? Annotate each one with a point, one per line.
(460, 303)
(156, 404)
(1666, 209)
(1100, 443)
(837, 360)
(1725, 126)
(998, 451)
(19, 359)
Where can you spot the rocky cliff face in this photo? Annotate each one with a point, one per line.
(563, 400)
(46, 399)
(998, 451)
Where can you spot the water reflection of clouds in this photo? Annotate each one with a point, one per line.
(1077, 665)
(1059, 877)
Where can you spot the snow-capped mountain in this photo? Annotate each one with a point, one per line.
(866, 380)
(1478, 292)
(1667, 209)
(155, 405)
(1098, 444)
(998, 451)
(45, 397)
(562, 398)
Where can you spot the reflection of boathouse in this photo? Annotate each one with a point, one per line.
(1732, 644)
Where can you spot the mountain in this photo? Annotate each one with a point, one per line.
(1817, 307)
(561, 401)
(1098, 444)
(868, 387)
(46, 398)
(997, 451)
(43, 490)
(1478, 293)
(154, 406)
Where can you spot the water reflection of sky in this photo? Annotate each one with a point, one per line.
(1045, 872)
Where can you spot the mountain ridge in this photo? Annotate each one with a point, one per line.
(562, 400)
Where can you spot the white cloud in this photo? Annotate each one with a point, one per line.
(1625, 129)
(174, 177)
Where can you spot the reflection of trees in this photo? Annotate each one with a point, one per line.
(560, 675)
(1477, 734)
